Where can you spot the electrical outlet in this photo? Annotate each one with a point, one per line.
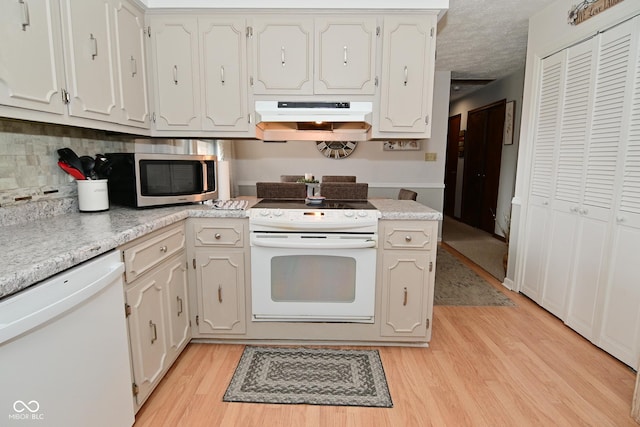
(430, 157)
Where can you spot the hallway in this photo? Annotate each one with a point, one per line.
(479, 246)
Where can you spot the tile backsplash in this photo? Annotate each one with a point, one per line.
(29, 162)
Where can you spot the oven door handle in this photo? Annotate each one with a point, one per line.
(331, 244)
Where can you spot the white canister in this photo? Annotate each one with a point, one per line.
(93, 195)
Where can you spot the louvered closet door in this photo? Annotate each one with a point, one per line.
(568, 188)
(620, 330)
(606, 131)
(542, 171)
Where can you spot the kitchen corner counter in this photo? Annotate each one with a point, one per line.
(35, 250)
(405, 209)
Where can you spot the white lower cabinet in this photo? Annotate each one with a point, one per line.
(408, 275)
(219, 261)
(157, 310)
(220, 290)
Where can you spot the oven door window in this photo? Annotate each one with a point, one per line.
(313, 278)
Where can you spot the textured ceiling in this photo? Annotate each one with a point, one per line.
(484, 39)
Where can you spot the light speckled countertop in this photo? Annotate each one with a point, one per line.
(36, 250)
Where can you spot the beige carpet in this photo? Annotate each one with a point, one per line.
(477, 245)
(457, 284)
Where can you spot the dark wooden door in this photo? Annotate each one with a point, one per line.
(483, 153)
(451, 165)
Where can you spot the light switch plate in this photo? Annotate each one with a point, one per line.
(430, 157)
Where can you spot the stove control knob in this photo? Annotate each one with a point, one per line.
(362, 214)
(264, 212)
(348, 214)
(278, 212)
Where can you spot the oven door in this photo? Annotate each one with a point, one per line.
(313, 277)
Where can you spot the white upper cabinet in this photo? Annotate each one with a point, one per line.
(132, 75)
(82, 60)
(406, 86)
(176, 72)
(31, 68)
(300, 55)
(223, 71)
(345, 52)
(90, 59)
(283, 55)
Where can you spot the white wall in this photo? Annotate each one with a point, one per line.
(509, 88)
(385, 171)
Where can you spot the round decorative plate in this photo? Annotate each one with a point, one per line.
(336, 149)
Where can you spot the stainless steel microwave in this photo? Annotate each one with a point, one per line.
(144, 180)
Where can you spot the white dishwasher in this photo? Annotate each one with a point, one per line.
(64, 354)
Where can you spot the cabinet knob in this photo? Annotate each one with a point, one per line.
(163, 249)
(406, 296)
(407, 238)
(217, 236)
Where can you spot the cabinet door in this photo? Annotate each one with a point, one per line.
(174, 45)
(90, 61)
(542, 172)
(147, 332)
(220, 287)
(132, 76)
(223, 64)
(345, 56)
(405, 291)
(283, 55)
(620, 331)
(31, 68)
(408, 53)
(175, 276)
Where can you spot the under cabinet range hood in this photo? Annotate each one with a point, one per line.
(313, 121)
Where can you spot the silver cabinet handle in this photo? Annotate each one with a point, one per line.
(163, 249)
(217, 236)
(345, 57)
(25, 15)
(154, 332)
(179, 300)
(283, 56)
(406, 296)
(175, 74)
(134, 67)
(222, 74)
(407, 238)
(220, 294)
(94, 46)
(406, 75)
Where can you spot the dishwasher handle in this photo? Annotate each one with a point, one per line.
(37, 306)
(330, 244)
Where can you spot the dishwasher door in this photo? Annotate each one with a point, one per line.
(64, 353)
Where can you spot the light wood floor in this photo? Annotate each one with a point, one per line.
(486, 366)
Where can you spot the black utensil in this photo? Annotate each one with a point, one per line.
(88, 164)
(102, 166)
(68, 156)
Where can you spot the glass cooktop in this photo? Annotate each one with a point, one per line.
(300, 204)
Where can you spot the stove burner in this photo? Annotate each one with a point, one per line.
(300, 204)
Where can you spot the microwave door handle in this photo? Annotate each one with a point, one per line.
(205, 175)
(347, 244)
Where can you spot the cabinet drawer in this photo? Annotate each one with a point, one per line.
(224, 233)
(409, 236)
(153, 250)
